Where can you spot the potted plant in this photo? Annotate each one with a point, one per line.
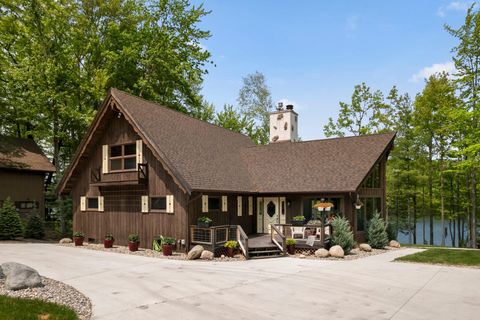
(167, 246)
(108, 241)
(204, 222)
(133, 241)
(78, 238)
(298, 220)
(291, 246)
(230, 246)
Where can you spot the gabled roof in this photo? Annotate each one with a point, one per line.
(23, 154)
(328, 165)
(204, 157)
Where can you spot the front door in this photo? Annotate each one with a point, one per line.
(270, 213)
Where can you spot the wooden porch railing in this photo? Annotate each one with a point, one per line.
(242, 239)
(285, 229)
(215, 237)
(275, 231)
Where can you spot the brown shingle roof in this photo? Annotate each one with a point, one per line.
(23, 154)
(329, 165)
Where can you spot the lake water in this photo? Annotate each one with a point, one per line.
(405, 237)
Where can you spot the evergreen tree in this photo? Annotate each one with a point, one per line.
(376, 233)
(10, 222)
(35, 228)
(342, 234)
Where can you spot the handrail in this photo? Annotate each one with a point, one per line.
(243, 246)
(283, 246)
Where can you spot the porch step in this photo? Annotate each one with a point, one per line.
(264, 252)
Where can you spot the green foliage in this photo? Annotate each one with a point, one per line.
(391, 231)
(451, 257)
(231, 244)
(168, 240)
(21, 308)
(78, 234)
(109, 237)
(204, 219)
(291, 242)
(298, 218)
(376, 233)
(342, 234)
(10, 222)
(133, 238)
(35, 227)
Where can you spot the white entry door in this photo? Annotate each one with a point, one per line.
(271, 213)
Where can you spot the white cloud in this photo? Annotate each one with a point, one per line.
(426, 72)
(454, 6)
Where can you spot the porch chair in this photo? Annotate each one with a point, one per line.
(298, 231)
(319, 231)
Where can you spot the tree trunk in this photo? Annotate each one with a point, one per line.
(423, 216)
(442, 206)
(415, 218)
(473, 213)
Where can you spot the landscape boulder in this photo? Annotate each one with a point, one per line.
(336, 252)
(365, 247)
(322, 253)
(1, 273)
(195, 252)
(394, 244)
(65, 240)
(19, 276)
(206, 255)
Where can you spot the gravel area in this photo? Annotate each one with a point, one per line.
(146, 252)
(354, 254)
(56, 292)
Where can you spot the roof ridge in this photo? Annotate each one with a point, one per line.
(181, 113)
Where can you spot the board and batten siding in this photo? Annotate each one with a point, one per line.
(122, 203)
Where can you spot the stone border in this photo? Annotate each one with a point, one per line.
(147, 252)
(56, 292)
(354, 254)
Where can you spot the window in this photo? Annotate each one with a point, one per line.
(26, 205)
(369, 208)
(373, 179)
(123, 157)
(92, 203)
(158, 203)
(311, 213)
(214, 203)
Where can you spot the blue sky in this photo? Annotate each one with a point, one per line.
(314, 52)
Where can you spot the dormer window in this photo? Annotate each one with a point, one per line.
(123, 157)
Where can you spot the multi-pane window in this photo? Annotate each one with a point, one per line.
(123, 157)
(366, 212)
(373, 179)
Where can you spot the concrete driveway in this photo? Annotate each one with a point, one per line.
(132, 287)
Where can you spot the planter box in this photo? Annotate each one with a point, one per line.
(298, 223)
(108, 243)
(78, 241)
(133, 246)
(230, 252)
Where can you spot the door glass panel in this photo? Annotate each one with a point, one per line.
(271, 209)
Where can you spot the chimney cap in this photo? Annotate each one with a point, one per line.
(290, 107)
(280, 106)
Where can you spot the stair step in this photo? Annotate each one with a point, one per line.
(263, 248)
(265, 252)
(267, 257)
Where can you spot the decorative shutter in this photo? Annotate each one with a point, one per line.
(239, 206)
(144, 204)
(204, 204)
(170, 204)
(105, 158)
(83, 203)
(100, 203)
(224, 203)
(283, 210)
(139, 152)
(250, 206)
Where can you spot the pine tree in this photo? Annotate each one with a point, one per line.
(342, 234)
(10, 222)
(376, 233)
(35, 228)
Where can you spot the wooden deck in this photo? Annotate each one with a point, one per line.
(264, 241)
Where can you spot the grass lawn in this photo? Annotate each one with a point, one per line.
(445, 256)
(26, 309)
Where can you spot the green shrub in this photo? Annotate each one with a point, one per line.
(35, 228)
(291, 242)
(391, 231)
(342, 234)
(168, 240)
(231, 244)
(78, 234)
(10, 222)
(109, 237)
(298, 218)
(376, 232)
(204, 219)
(134, 238)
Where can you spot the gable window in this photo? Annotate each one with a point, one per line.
(373, 179)
(214, 203)
(158, 203)
(123, 157)
(92, 203)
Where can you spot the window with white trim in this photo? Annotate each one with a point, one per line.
(123, 157)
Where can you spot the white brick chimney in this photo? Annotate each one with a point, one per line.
(283, 124)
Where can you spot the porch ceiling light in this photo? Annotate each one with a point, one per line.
(358, 204)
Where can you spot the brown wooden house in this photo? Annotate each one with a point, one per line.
(146, 169)
(22, 174)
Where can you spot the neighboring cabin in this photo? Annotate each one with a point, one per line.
(147, 169)
(22, 175)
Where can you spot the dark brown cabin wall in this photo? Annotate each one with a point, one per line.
(122, 215)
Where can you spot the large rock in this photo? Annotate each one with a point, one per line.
(365, 247)
(1, 273)
(206, 255)
(336, 251)
(65, 240)
(322, 253)
(195, 252)
(19, 276)
(394, 244)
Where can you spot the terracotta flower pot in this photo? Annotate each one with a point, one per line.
(108, 243)
(167, 249)
(78, 241)
(230, 252)
(291, 249)
(133, 246)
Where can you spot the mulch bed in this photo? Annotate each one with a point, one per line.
(56, 292)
